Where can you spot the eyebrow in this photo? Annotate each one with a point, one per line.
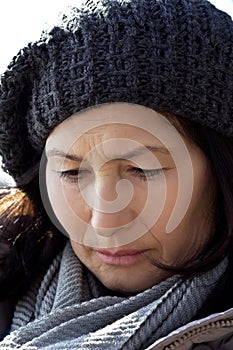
(138, 151)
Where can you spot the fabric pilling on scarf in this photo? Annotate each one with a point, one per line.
(171, 55)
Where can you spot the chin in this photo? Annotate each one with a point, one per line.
(123, 289)
(126, 285)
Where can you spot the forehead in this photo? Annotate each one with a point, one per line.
(113, 121)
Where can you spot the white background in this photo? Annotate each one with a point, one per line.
(22, 21)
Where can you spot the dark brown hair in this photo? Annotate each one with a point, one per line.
(28, 240)
(219, 152)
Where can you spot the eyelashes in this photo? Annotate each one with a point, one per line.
(75, 175)
(145, 174)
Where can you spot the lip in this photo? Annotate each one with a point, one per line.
(121, 257)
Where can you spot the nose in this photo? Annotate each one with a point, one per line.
(111, 209)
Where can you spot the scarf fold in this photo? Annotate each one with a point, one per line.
(70, 309)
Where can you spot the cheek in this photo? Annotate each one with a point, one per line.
(80, 251)
(86, 256)
(69, 217)
(170, 193)
(76, 202)
(81, 202)
(66, 199)
(184, 240)
(54, 191)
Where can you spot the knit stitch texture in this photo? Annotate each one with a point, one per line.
(72, 310)
(171, 55)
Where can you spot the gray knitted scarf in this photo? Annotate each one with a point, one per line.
(69, 309)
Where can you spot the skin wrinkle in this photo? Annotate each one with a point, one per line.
(174, 56)
(178, 247)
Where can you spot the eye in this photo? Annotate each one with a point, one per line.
(145, 174)
(74, 175)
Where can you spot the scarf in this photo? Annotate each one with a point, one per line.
(70, 309)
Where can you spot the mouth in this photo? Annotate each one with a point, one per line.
(121, 257)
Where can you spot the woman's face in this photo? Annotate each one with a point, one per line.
(115, 176)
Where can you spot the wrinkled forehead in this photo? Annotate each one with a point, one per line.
(113, 120)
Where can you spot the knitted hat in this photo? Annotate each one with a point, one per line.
(172, 55)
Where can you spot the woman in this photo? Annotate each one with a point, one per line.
(121, 116)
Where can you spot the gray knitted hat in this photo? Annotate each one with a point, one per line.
(172, 55)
